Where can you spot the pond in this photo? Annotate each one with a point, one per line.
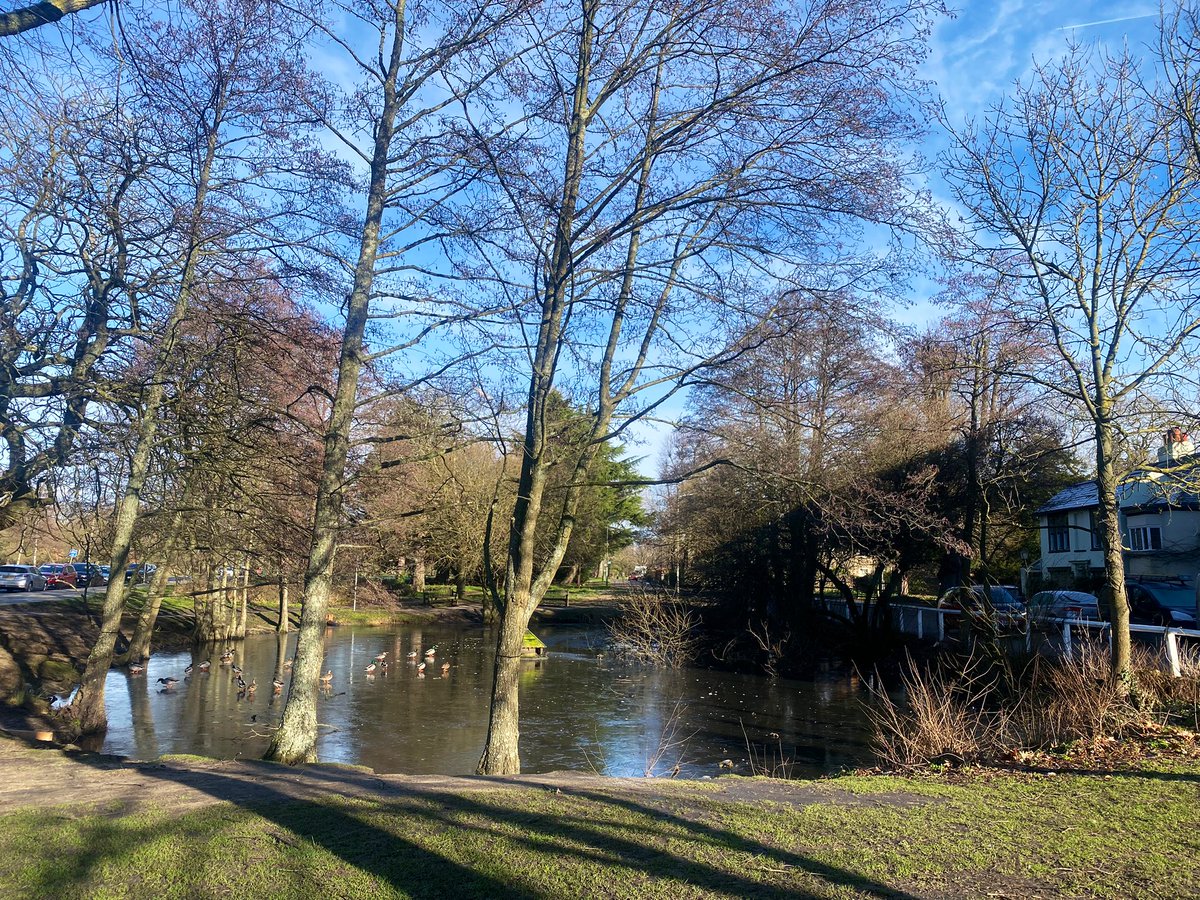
(581, 709)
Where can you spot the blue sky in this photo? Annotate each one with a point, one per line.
(977, 56)
(975, 59)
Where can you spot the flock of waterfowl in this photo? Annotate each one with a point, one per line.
(378, 665)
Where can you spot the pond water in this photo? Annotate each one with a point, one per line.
(580, 709)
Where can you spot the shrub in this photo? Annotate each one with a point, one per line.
(655, 628)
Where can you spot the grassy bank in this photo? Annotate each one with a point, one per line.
(185, 828)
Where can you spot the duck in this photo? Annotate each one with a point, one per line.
(241, 682)
(288, 663)
(383, 667)
(204, 666)
(277, 686)
(371, 668)
(235, 669)
(327, 678)
(252, 687)
(226, 657)
(169, 682)
(137, 668)
(381, 657)
(431, 651)
(187, 670)
(413, 655)
(421, 668)
(445, 667)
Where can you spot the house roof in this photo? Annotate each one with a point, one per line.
(1077, 496)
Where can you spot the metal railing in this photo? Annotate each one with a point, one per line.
(929, 622)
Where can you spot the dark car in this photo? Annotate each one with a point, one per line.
(1165, 603)
(89, 575)
(21, 578)
(57, 575)
(139, 573)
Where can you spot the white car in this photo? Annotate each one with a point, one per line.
(21, 578)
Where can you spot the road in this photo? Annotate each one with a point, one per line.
(13, 598)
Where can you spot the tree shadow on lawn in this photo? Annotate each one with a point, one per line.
(405, 835)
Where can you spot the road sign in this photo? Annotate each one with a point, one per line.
(73, 553)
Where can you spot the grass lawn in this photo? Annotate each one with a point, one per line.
(187, 828)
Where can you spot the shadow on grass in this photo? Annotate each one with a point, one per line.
(427, 841)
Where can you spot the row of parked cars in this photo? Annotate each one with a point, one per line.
(1164, 603)
(56, 575)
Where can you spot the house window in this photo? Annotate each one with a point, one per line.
(1058, 533)
(1145, 537)
(1096, 530)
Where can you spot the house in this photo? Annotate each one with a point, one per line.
(1160, 523)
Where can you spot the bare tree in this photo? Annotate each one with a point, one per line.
(661, 161)
(223, 88)
(1084, 187)
(430, 56)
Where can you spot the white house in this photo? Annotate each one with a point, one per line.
(1160, 523)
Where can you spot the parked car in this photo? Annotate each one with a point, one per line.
(90, 575)
(58, 575)
(139, 573)
(990, 601)
(21, 578)
(1063, 605)
(1166, 603)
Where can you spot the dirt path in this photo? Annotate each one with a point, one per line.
(33, 777)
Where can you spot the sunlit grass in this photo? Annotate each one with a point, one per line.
(1130, 835)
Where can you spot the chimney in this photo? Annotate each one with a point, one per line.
(1176, 445)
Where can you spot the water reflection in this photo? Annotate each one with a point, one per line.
(579, 709)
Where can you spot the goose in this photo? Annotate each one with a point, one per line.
(58, 702)
(327, 678)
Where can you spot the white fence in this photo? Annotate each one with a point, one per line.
(930, 623)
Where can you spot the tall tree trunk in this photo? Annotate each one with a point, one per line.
(88, 708)
(143, 631)
(1114, 559)
(522, 591)
(283, 625)
(418, 584)
(245, 599)
(295, 741)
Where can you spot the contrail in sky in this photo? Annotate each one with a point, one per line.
(1108, 21)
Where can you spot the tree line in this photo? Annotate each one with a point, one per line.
(413, 270)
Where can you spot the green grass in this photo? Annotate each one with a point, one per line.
(1131, 835)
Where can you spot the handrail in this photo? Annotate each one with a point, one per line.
(1170, 634)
